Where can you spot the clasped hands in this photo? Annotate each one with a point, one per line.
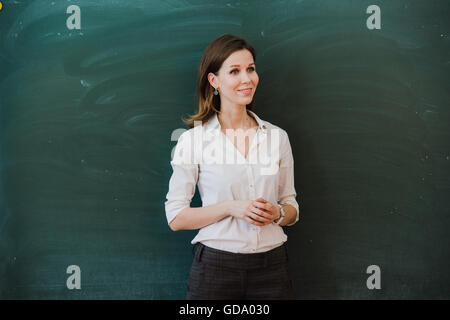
(258, 212)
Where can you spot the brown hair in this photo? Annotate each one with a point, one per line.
(213, 57)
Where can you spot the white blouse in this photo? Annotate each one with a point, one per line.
(206, 157)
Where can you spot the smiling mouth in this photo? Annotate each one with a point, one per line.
(246, 91)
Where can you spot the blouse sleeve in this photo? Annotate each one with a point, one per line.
(184, 178)
(286, 190)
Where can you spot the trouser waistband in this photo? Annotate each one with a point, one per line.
(232, 260)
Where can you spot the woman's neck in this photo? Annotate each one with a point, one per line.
(235, 119)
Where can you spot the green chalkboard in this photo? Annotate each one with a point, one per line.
(87, 117)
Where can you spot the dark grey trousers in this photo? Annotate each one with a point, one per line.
(222, 275)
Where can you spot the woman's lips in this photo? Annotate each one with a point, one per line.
(245, 92)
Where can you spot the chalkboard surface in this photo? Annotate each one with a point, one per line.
(86, 123)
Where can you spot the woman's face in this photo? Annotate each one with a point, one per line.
(237, 72)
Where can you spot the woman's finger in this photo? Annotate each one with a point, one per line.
(266, 207)
(250, 220)
(261, 213)
(261, 200)
(256, 217)
(260, 205)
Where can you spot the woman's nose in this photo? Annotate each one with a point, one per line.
(245, 77)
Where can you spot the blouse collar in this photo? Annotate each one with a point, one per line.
(214, 123)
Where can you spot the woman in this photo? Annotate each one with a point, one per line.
(240, 249)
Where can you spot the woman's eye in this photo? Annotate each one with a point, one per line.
(252, 69)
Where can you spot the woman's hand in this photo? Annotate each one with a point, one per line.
(258, 212)
(268, 207)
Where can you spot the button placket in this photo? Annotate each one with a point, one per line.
(255, 242)
(252, 193)
(251, 182)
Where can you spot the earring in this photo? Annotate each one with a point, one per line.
(216, 92)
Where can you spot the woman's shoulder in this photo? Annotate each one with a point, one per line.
(267, 125)
(187, 135)
(190, 137)
(274, 128)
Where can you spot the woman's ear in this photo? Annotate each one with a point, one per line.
(212, 80)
